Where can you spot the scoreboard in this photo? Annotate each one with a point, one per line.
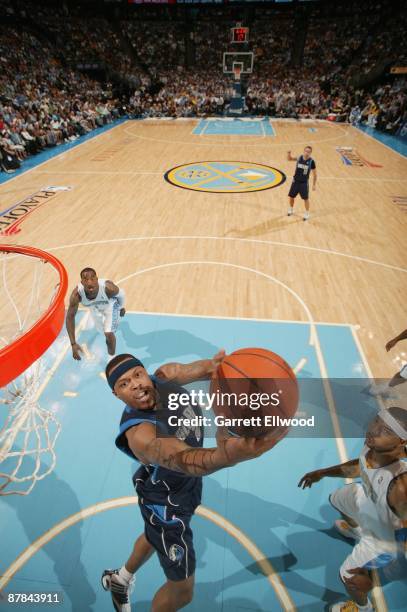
(240, 35)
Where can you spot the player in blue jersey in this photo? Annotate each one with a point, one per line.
(169, 480)
(305, 165)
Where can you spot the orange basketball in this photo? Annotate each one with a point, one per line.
(256, 391)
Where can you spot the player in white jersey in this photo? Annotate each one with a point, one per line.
(106, 302)
(374, 512)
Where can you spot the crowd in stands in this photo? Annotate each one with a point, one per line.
(337, 47)
(209, 52)
(42, 102)
(158, 46)
(83, 41)
(330, 51)
(273, 45)
(385, 109)
(174, 68)
(183, 95)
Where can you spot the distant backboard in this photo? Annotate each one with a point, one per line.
(244, 60)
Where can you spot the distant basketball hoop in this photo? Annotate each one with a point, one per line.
(30, 323)
(233, 60)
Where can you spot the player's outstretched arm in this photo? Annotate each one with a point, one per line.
(350, 469)
(397, 496)
(112, 291)
(179, 457)
(184, 373)
(391, 343)
(70, 323)
(290, 157)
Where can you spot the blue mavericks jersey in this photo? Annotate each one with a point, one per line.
(303, 169)
(156, 484)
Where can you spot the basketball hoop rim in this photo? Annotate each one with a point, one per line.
(17, 356)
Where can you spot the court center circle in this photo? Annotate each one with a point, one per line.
(225, 177)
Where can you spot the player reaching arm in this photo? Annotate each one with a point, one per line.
(175, 455)
(184, 373)
(392, 343)
(350, 469)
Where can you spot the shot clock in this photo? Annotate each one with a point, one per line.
(240, 34)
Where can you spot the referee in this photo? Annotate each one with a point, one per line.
(304, 166)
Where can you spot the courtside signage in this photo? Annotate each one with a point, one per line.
(350, 157)
(12, 217)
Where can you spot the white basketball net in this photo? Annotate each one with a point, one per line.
(28, 433)
(237, 70)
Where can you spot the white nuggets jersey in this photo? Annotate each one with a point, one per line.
(101, 301)
(375, 513)
(105, 311)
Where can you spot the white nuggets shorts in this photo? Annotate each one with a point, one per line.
(369, 552)
(107, 321)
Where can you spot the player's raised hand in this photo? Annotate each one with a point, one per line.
(217, 360)
(76, 351)
(310, 478)
(391, 344)
(267, 442)
(242, 449)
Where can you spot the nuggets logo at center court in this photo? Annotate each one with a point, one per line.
(225, 176)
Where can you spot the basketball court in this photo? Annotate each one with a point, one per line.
(189, 217)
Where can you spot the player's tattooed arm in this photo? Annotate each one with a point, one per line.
(184, 373)
(350, 469)
(74, 301)
(179, 457)
(174, 454)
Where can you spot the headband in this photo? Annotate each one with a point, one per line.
(121, 369)
(394, 425)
